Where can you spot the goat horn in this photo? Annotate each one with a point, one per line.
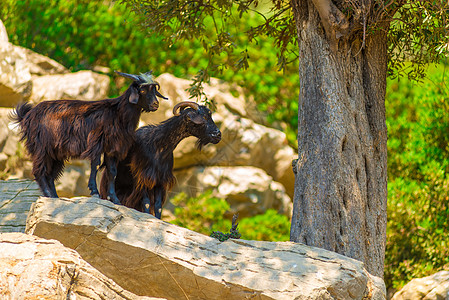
(130, 76)
(184, 104)
(159, 95)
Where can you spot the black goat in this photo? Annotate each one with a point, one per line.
(146, 174)
(57, 130)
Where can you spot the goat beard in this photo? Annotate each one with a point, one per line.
(201, 143)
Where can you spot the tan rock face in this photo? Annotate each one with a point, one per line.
(150, 257)
(39, 64)
(15, 76)
(35, 268)
(432, 287)
(17, 65)
(82, 85)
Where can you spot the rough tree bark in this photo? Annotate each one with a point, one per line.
(341, 173)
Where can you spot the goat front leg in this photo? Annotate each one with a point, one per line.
(159, 196)
(146, 202)
(93, 177)
(51, 185)
(45, 187)
(111, 169)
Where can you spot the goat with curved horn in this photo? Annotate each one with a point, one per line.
(145, 176)
(183, 105)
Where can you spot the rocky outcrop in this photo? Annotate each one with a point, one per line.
(36, 268)
(34, 63)
(18, 68)
(16, 197)
(434, 287)
(248, 190)
(150, 257)
(26, 75)
(15, 77)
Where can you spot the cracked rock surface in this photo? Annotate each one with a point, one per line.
(16, 197)
(150, 257)
(36, 268)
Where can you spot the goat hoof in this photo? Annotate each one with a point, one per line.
(115, 201)
(97, 195)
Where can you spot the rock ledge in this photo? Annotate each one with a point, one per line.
(150, 257)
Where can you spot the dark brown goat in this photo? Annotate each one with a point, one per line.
(146, 174)
(55, 131)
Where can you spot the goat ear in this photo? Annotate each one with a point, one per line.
(134, 97)
(195, 118)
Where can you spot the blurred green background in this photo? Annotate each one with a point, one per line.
(83, 34)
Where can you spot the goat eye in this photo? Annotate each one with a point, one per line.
(142, 91)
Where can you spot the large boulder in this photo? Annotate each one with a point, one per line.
(36, 268)
(434, 287)
(150, 257)
(248, 190)
(16, 197)
(15, 76)
(40, 64)
(82, 85)
(18, 66)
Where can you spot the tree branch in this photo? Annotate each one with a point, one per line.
(333, 20)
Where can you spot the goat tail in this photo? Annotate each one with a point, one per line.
(19, 113)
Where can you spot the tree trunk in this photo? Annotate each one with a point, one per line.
(341, 174)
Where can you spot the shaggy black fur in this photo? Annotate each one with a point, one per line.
(146, 174)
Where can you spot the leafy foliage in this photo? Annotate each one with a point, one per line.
(418, 30)
(79, 34)
(418, 191)
(202, 214)
(270, 226)
(205, 214)
(417, 36)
